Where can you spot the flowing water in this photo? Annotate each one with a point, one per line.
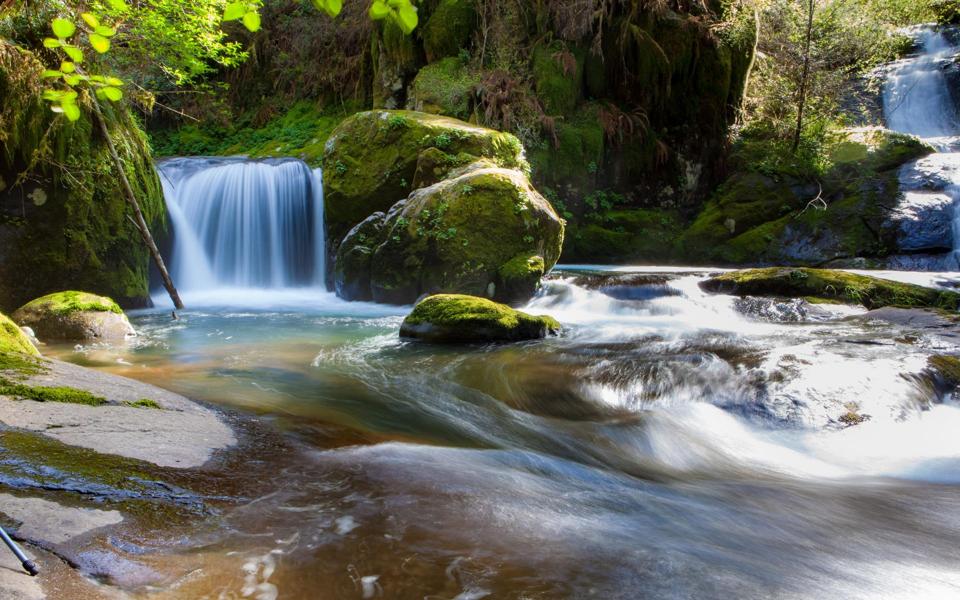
(917, 100)
(670, 444)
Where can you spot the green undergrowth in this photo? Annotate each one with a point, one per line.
(300, 132)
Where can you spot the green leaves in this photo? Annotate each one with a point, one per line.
(331, 7)
(64, 101)
(98, 36)
(99, 43)
(62, 28)
(248, 12)
(403, 13)
(91, 20)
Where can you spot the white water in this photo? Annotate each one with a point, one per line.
(244, 225)
(917, 100)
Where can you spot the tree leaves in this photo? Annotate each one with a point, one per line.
(64, 101)
(62, 28)
(90, 19)
(75, 54)
(251, 20)
(331, 7)
(248, 12)
(403, 13)
(99, 43)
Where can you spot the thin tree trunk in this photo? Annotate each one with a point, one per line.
(131, 198)
(803, 80)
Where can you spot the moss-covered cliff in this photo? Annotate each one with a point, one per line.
(63, 220)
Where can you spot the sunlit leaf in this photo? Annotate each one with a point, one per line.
(251, 20)
(52, 95)
(331, 7)
(90, 19)
(62, 28)
(51, 43)
(407, 17)
(72, 80)
(105, 31)
(114, 81)
(379, 10)
(51, 73)
(75, 54)
(67, 66)
(71, 110)
(118, 5)
(99, 43)
(113, 94)
(234, 11)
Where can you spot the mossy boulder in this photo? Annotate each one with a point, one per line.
(876, 148)
(830, 286)
(371, 159)
(74, 316)
(459, 319)
(13, 340)
(63, 218)
(449, 28)
(445, 87)
(483, 231)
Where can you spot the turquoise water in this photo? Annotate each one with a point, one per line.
(669, 444)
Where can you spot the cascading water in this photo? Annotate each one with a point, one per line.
(244, 224)
(917, 100)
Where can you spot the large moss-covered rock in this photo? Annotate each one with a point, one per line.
(459, 319)
(74, 316)
(762, 213)
(830, 286)
(482, 231)
(63, 219)
(371, 159)
(13, 340)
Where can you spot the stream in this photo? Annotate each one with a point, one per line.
(670, 444)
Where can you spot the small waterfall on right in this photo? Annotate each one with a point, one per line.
(917, 100)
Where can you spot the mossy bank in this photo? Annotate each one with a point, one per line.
(63, 218)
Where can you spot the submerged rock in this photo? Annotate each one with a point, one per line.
(830, 286)
(458, 319)
(74, 316)
(484, 231)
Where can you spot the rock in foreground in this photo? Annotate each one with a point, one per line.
(74, 316)
(830, 286)
(458, 319)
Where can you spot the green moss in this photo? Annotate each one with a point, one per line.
(449, 28)
(67, 303)
(144, 403)
(301, 131)
(445, 88)
(457, 318)
(41, 393)
(13, 342)
(947, 367)
(572, 161)
(558, 77)
(625, 235)
(67, 224)
(828, 285)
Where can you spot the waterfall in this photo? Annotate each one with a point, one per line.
(244, 224)
(917, 100)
